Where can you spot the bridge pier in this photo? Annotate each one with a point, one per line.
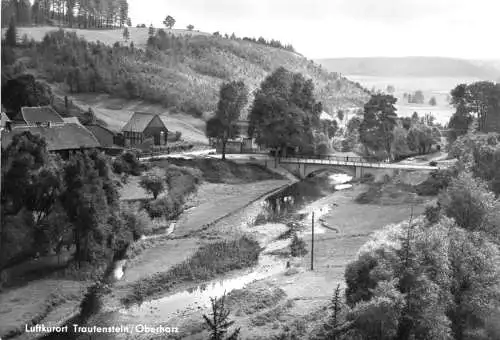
(358, 170)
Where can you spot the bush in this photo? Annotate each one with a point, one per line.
(298, 246)
(136, 220)
(437, 181)
(128, 163)
(154, 182)
(367, 178)
(432, 213)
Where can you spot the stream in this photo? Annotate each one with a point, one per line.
(295, 203)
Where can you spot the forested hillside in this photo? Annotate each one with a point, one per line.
(182, 72)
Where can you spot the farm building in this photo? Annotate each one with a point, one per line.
(143, 127)
(241, 144)
(60, 138)
(105, 136)
(39, 115)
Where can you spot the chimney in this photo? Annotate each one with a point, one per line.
(8, 126)
(48, 124)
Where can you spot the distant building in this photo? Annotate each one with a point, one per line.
(143, 127)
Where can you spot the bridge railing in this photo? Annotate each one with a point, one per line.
(337, 158)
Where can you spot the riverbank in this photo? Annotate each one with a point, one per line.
(213, 203)
(54, 301)
(303, 294)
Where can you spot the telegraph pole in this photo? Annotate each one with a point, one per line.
(312, 243)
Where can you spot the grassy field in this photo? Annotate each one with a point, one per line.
(43, 301)
(116, 112)
(138, 36)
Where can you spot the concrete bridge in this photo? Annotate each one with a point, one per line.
(354, 166)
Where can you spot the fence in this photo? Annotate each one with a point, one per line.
(370, 160)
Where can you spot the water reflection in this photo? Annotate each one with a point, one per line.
(287, 202)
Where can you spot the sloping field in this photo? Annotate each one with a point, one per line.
(116, 113)
(138, 35)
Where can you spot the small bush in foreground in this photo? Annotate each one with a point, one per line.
(209, 261)
(218, 322)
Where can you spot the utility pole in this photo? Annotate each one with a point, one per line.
(1, 208)
(312, 243)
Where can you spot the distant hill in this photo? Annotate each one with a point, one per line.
(414, 67)
(186, 74)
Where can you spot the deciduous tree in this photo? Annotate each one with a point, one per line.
(153, 182)
(233, 97)
(285, 112)
(379, 120)
(169, 22)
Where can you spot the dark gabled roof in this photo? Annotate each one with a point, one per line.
(139, 122)
(58, 137)
(102, 134)
(42, 114)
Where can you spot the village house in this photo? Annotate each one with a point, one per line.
(105, 136)
(243, 143)
(61, 136)
(143, 127)
(33, 116)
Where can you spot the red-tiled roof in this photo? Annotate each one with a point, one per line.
(58, 137)
(41, 114)
(138, 122)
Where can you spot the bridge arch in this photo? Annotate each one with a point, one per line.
(303, 170)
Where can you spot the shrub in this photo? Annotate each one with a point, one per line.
(136, 220)
(432, 213)
(154, 182)
(438, 180)
(128, 162)
(298, 246)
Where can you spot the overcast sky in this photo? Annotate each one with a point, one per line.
(344, 28)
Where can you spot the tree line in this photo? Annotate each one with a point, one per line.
(67, 13)
(477, 102)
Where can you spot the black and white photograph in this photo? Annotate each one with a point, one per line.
(250, 170)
